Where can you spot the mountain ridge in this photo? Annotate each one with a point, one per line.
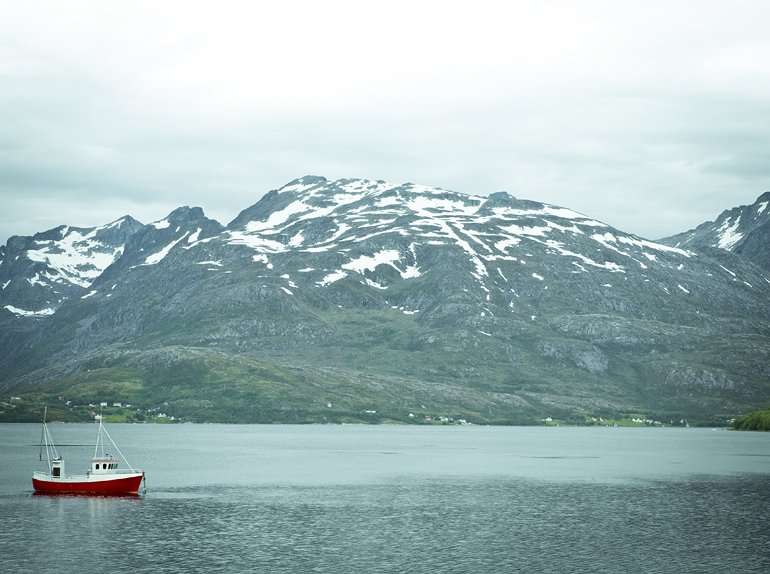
(404, 298)
(744, 229)
(58, 263)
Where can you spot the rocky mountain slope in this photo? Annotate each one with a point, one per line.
(744, 230)
(366, 300)
(39, 273)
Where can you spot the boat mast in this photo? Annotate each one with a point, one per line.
(42, 433)
(50, 447)
(117, 448)
(100, 442)
(99, 439)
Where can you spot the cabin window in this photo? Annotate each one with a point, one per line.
(56, 471)
(97, 466)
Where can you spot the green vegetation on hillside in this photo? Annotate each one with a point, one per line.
(757, 421)
(381, 366)
(184, 384)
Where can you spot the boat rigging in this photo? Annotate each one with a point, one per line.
(104, 475)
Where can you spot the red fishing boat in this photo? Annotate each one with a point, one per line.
(103, 477)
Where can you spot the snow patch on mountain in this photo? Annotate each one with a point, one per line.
(255, 241)
(504, 244)
(35, 280)
(628, 240)
(262, 258)
(156, 258)
(76, 258)
(342, 228)
(456, 207)
(374, 284)
(371, 262)
(162, 224)
(296, 240)
(26, 313)
(194, 236)
(728, 233)
(332, 278)
(608, 265)
(410, 272)
(534, 231)
(278, 217)
(726, 269)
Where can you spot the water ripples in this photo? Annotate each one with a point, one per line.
(416, 526)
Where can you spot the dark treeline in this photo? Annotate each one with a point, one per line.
(758, 420)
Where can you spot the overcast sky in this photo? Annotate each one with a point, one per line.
(652, 116)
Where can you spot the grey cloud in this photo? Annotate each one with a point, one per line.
(653, 149)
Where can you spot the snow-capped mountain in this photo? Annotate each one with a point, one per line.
(39, 273)
(401, 297)
(344, 221)
(150, 245)
(744, 229)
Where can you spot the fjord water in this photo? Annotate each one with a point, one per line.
(337, 499)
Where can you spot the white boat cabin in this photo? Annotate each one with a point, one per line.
(57, 467)
(103, 465)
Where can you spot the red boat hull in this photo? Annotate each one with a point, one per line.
(111, 487)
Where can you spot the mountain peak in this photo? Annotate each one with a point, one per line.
(43, 270)
(743, 229)
(186, 213)
(304, 182)
(184, 216)
(501, 196)
(765, 197)
(125, 219)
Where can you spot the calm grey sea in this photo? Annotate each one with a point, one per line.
(339, 499)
